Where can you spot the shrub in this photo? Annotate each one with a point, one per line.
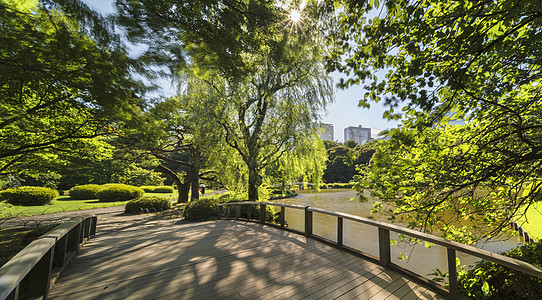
(85, 192)
(145, 204)
(148, 188)
(207, 209)
(163, 189)
(489, 280)
(202, 209)
(336, 186)
(29, 195)
(157, 189)
(119, 192)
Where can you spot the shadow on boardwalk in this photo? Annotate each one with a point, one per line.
(152, 258)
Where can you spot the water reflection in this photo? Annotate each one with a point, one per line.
(363, 237)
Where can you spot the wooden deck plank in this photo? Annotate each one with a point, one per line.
(221, 259)
(335, 280)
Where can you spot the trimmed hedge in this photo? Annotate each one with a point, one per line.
(85, 192)
(119, 192)
(157, 189)
(202, 209)
(206, 209)
(147, 204)
(29, 195)
(163, 189)
(148, 188)
(337, 186)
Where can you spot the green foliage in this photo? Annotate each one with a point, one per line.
(488, 280)
(304, 163)
(157, 189)
(337, 186)
(203, 209)
(85, 192)
(147, 204)
(261, 84)
(163, 189)
(468, 78)
(343, 159)
(28, 195)
(4, 209)
(60, 88)
(119, 192)
(12, 241)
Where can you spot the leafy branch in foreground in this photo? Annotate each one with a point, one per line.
(473, 64)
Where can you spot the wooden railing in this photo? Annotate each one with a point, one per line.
(32, 271)
(384, 242)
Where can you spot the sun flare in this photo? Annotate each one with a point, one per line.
(295, 16)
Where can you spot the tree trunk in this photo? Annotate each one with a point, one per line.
(183, 192)
(194, 175)
(175, 179)
(254, 181)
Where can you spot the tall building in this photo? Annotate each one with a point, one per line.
(358, 134)
(326, 132)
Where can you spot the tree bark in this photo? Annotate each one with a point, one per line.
(175, 179)
(194, 175)
(254, 181)
(183, 192)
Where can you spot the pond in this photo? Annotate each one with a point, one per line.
(363, 237)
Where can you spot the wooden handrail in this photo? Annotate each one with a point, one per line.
(384, 241)
(38, 265)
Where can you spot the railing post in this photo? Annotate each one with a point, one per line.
(88, 225)
(308, 221)
(93, 226)
(339, 231)
(220, 210)
(249, 211)
(263, 213)
(74, 238)
(61, 248)
(39, 277)
(282, 213)
(228, 208)
(237, 211)
(452, 273)
(384, 248)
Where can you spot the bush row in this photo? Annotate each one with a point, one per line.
(28, 195)
(85, 192)
(107, 192)
(147, 204)
(207, 208)
(119, 192)
(157, 189)
(337, 186)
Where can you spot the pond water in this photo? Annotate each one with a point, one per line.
(363, 237)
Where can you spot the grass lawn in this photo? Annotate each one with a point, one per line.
(534, 221)
(14, 240)
(65, 203)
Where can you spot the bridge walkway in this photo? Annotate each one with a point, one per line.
(171, 259)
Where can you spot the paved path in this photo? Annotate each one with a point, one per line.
(148, 257)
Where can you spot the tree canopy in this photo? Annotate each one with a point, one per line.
(59, 87)
(475, 63)
(267, 79)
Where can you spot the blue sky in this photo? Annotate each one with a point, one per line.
(342, 113)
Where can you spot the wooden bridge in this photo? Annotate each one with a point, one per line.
(224, 260)
(236, 257)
